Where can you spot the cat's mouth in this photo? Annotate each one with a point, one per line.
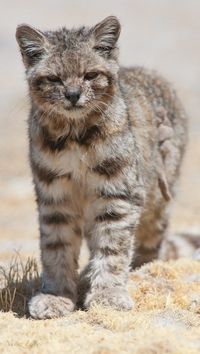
(74, 108)
(76, 112)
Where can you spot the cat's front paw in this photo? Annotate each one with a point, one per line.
(44, 306)
(117, 298)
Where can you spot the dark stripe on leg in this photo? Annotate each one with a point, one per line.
(110, 216)
(107, 251)
(56, 245)
(56, 218)
(111, 167)
(134, 198)
(46, 175)
(43, 199)
(43, 174)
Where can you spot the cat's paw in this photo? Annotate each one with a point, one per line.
(43, 306)
(117, 298)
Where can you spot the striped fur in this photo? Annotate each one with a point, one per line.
(104, 168)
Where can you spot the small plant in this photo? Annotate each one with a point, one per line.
(18, 283)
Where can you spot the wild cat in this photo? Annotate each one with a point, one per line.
(106, 145)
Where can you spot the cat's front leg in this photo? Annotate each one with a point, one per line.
(111, 243)
(60, 245)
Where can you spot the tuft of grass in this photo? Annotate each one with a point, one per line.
(18, 283)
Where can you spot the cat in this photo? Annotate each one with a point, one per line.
(106, 146)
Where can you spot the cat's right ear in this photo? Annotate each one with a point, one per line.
(32, 42)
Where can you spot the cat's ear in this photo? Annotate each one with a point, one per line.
(32, 42)
(106, 34)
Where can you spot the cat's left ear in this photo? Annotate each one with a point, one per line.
(32, 42)
(106, 34)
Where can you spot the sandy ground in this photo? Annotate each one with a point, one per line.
(165, 319)
(164, 35)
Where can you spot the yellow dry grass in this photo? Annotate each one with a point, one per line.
(165, 319)
(18, 283)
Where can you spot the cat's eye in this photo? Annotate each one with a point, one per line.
(91, 75)
(53, 78)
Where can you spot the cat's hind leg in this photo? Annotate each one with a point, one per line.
(151, 233)
(155, 241)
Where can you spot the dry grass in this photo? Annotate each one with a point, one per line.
(18, 283)
(165, 319)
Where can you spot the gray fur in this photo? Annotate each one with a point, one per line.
(104, 169)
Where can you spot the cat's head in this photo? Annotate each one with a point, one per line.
(71, 72)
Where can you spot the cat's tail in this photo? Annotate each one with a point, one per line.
(178, 245)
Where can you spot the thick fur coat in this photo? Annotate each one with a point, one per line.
(106, 145)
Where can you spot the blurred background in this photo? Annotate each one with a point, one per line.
(159, 34)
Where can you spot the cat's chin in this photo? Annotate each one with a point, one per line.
(78, 112)
(70, 113)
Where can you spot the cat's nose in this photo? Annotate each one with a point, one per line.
(73, 95)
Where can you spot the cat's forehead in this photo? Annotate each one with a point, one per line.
(72, 51)
(78, 60)
(74, 62)
(65, 39)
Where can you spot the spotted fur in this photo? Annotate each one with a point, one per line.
(106, 144)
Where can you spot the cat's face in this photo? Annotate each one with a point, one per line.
(71, 73)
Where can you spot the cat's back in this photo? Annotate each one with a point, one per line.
(157, 92)
(157, 118)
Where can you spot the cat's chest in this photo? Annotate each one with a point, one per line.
(75, 161)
